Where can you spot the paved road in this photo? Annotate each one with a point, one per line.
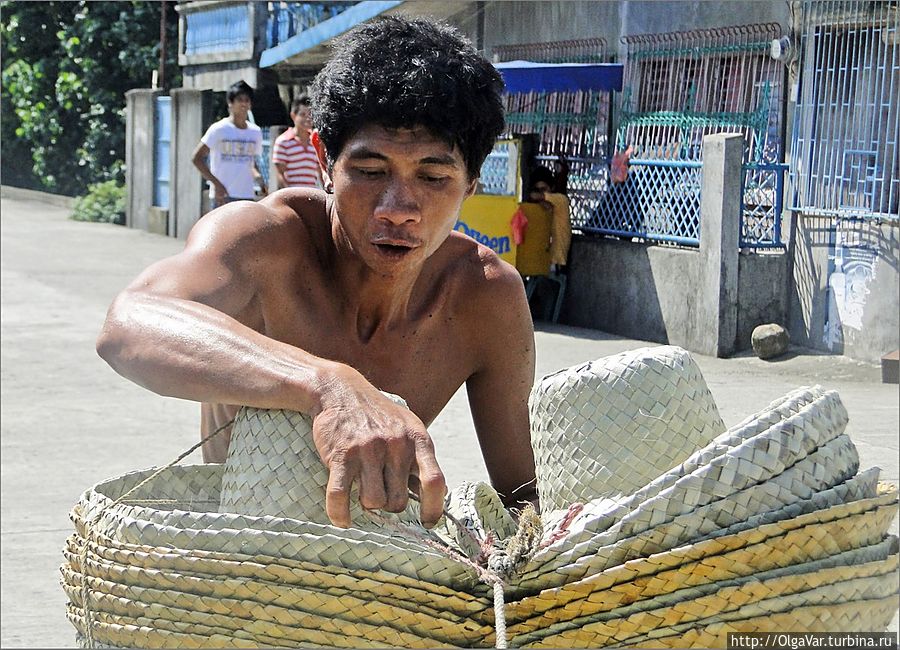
(68, 421)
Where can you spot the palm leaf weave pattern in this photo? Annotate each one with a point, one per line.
(661, 527)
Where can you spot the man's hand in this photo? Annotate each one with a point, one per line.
(364, 437)
(221, 193)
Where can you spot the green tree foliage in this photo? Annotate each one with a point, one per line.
(66, 68)
(104, 203)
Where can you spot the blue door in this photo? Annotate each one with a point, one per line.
(161, 152)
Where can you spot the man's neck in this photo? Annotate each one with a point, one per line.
(375, 303)
(301, 135)
(239, 122)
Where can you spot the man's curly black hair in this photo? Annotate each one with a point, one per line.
(402, 72)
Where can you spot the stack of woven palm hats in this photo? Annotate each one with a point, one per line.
(660, 528)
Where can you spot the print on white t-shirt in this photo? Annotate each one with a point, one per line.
(231, 155)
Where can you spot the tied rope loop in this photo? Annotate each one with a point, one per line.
(89, 532)
(497, 562)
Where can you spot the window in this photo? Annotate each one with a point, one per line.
(848, 117)
(682, 86)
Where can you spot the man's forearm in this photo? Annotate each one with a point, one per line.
(188, 350)
(206, 172)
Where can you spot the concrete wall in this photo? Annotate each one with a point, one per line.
(140, 135)
(192, 113)
(536, 22)
(720, 230)
(648, 292)
(632, 289)
(844, 286)
(762, 293)
(651, 17)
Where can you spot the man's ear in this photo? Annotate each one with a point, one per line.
(321, 154)
(473, 185)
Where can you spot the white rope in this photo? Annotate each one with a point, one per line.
(499, 616)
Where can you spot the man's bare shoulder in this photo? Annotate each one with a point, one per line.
(485, 276)
(289, 219)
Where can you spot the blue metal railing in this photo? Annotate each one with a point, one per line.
(761, 205)
(846, 133)
(161, 167)
(659, 201)
(218, 29)
(287, 19)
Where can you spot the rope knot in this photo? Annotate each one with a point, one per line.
(511, 554)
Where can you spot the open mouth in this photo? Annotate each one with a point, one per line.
(394, 250)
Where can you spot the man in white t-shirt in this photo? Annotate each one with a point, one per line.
(232, 145)
(295, 158)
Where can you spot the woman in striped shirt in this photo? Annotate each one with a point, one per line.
(295, 158)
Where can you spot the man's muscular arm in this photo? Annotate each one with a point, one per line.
(186, 328)
(498, 391)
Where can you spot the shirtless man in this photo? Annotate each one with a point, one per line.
(315, 301)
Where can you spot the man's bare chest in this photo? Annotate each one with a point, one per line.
(424, 360)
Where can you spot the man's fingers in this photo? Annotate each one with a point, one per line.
(337, 495)
(396, 475)
(432, 486)
(371, 486)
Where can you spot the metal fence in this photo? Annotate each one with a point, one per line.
(762, 204)
(845, 150)
(659, 201)
(574, 124)
(679, 87)
(682, 86)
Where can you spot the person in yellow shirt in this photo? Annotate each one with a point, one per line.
(544, 191)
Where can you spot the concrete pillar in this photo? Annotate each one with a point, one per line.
(140, 139)
(720, 230)
(191, 116)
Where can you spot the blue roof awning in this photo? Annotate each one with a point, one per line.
(325, 31)
(527, 76)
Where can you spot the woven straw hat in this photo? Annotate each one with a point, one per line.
(764, 525)
(627, 419)
(273, 468)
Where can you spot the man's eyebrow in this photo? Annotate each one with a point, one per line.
(445, 159)
(364, 153)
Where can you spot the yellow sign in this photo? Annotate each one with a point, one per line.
(486, 219)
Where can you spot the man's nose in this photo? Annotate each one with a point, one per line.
(398, 203)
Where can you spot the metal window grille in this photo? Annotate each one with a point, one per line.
(572, 124)
(583, 50)
(845, 153)
(683, 86)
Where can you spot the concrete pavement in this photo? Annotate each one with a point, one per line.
(68, 421)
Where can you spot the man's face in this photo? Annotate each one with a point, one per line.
(302, 120)
(398, 193)
(240, 106)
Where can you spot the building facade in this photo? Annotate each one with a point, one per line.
(811, 87)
